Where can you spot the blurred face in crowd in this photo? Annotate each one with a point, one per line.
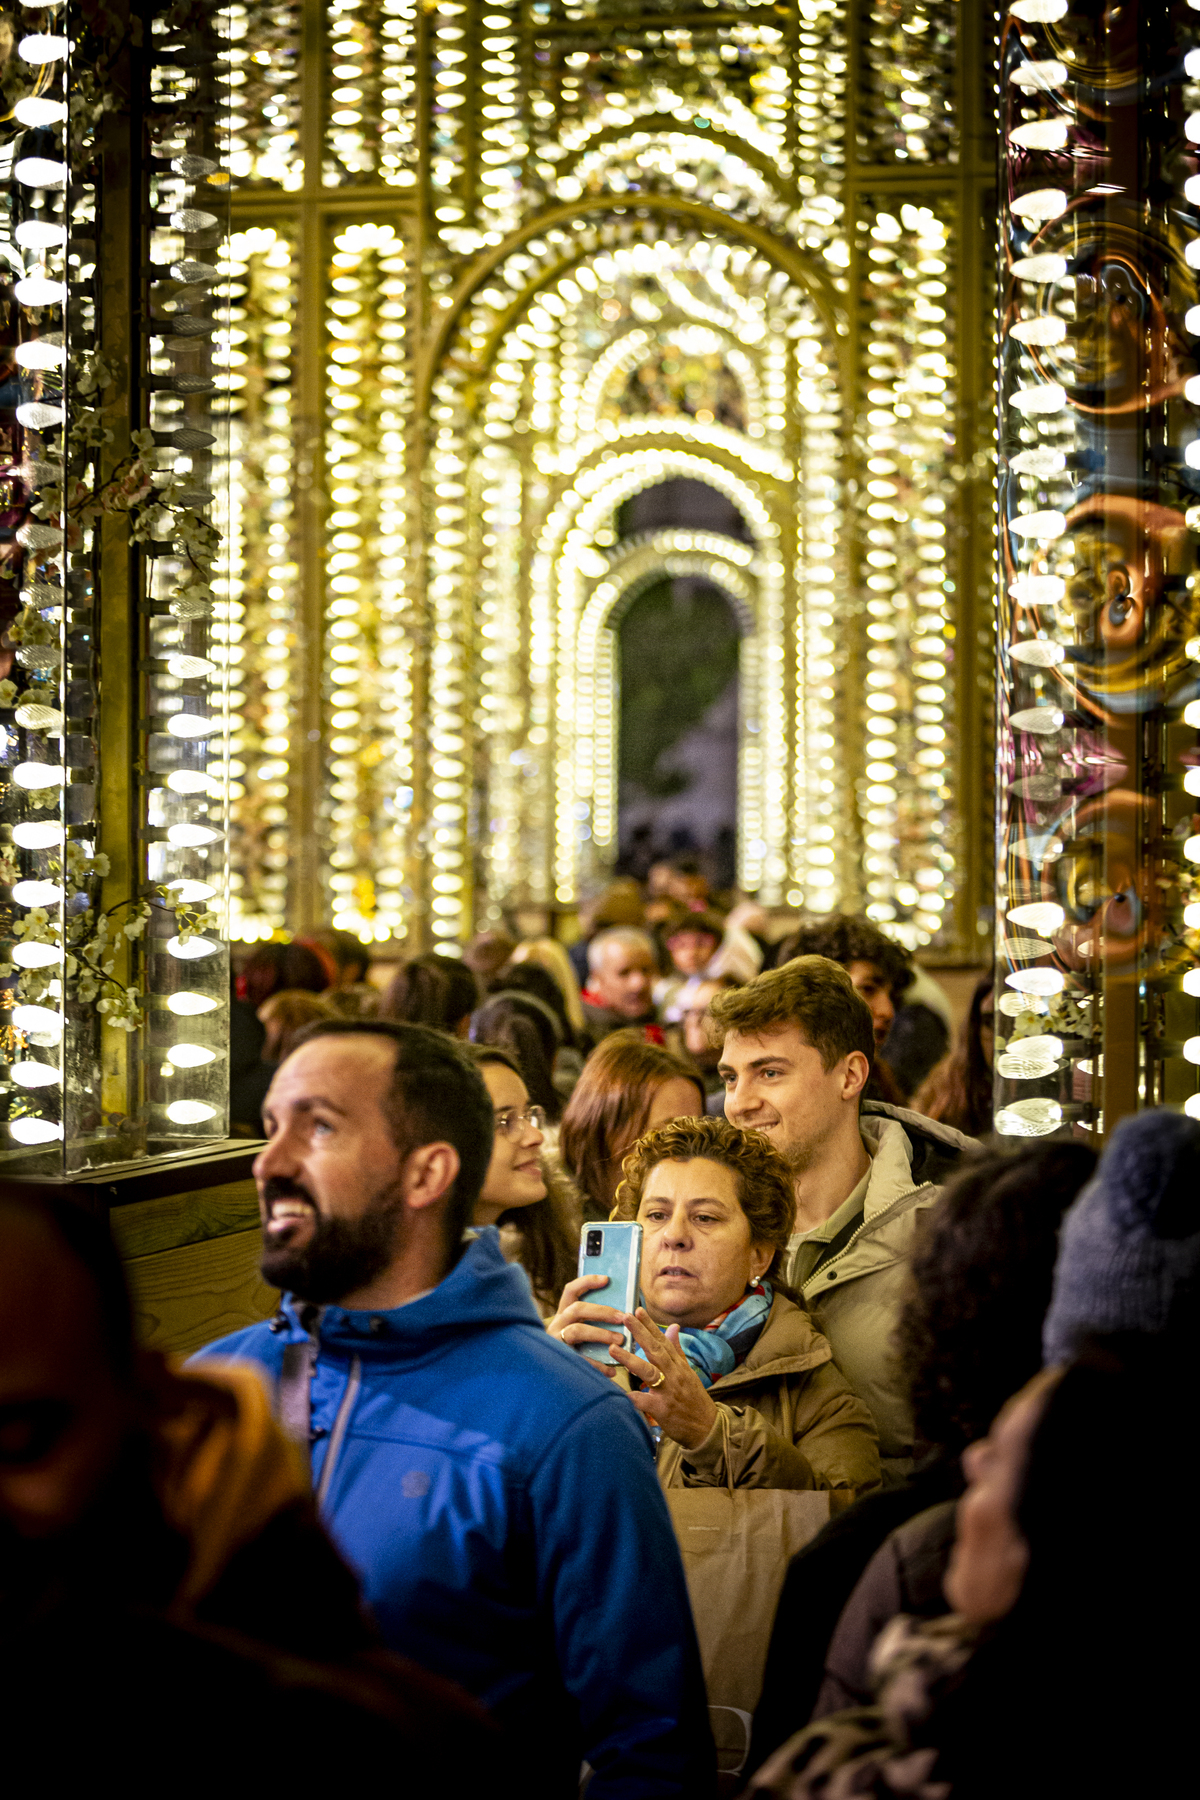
(695, 1028)
(623, 978)
(990, 1556)
(775, 1083)
(64, 1415)
(334, 1194)
(691, 951)
(871, 983)
(677, 1098)
(697, 1254)
(514, 1176)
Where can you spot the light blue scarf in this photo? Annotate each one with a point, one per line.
(717, 1349)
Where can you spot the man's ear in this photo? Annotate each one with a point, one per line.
(855, 1076)
(429, 1173)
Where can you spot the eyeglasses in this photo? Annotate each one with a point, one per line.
(514, 1124)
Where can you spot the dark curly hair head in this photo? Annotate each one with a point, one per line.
(970, 1333)
(845, 939)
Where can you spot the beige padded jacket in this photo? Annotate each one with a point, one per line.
(794, 1421)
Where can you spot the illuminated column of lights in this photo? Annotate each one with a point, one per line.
(501, 659)
(819, 810)
(41, 204)
(368, 692)
(255, 615)
(908, 719)
(370, 92)
(450, 677)
(185, 817)
(500, 191)
(264, 79)
(450, 73)
(907, 111)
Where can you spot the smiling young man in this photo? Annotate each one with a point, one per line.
(797, 1045)
(495, 1494)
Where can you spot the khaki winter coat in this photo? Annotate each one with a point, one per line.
(856, 1294)
(793, 1420)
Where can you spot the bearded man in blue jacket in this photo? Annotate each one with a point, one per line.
(495, 1493)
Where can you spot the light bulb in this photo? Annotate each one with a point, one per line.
(188, 891)
(1191, 1050)
(187, 781)
(189, 668)
(40, 171)
(191, 837)
(39, 775)
(35, 1131)
(1042, 268)
(191, 725)
(1191, 847)
(40, 353)
(1191, 982)
(1036, 653)
(1045, 525)
(35, 955)
(35, 290)
(37, 893)
(38, 837)
(1043, 134)
(40, 48)
(189, 1112)
(1036, 981)
(34, 112)
(194, 948)
(186, 1006)
(38, 416)
(1191, 916)
(190, 1056)
(1041, 915)
(34, 1074)
(39, 1019)
(1040, 205)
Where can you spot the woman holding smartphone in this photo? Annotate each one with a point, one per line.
(725, 1360)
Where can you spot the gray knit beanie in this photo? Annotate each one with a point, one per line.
(1129, 1259)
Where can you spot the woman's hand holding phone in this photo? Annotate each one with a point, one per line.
(579, 1321)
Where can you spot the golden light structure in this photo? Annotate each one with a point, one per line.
(536, 259)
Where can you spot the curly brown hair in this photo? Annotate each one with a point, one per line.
(762, 1180)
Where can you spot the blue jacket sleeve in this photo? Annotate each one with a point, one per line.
(609, 1572)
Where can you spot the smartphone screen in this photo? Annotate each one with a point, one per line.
(614, 1250)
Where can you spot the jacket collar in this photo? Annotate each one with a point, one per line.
(788, 1344)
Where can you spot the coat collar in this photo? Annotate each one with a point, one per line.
(789, 1344)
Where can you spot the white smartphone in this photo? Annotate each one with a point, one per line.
(614, 1250)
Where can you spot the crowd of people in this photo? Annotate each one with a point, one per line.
(833, 1508)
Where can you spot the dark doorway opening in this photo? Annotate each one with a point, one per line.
(678, 730)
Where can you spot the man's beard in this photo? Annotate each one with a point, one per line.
(341, 1255)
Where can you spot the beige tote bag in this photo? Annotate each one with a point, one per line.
(736, 1545)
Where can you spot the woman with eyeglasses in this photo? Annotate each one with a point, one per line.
(539, 1224)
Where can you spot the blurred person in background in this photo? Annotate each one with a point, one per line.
(620, 903)
(351, 994)
(691, 941)
(731, 1368)
(881, 972)
(160, 1556)
(535, 979)
(619, 994)
(487, 953)
(689, 1038)
(547, 953)
(958, 1091)
(536, 1213)
(269, 969)
(969, 1335)
(288, 1012)
(435, 990)
(1062, 1669)
(529, 1031)
(627, 1087)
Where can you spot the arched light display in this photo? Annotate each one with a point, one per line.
(555, 254)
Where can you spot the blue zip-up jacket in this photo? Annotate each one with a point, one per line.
(498, 1499)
